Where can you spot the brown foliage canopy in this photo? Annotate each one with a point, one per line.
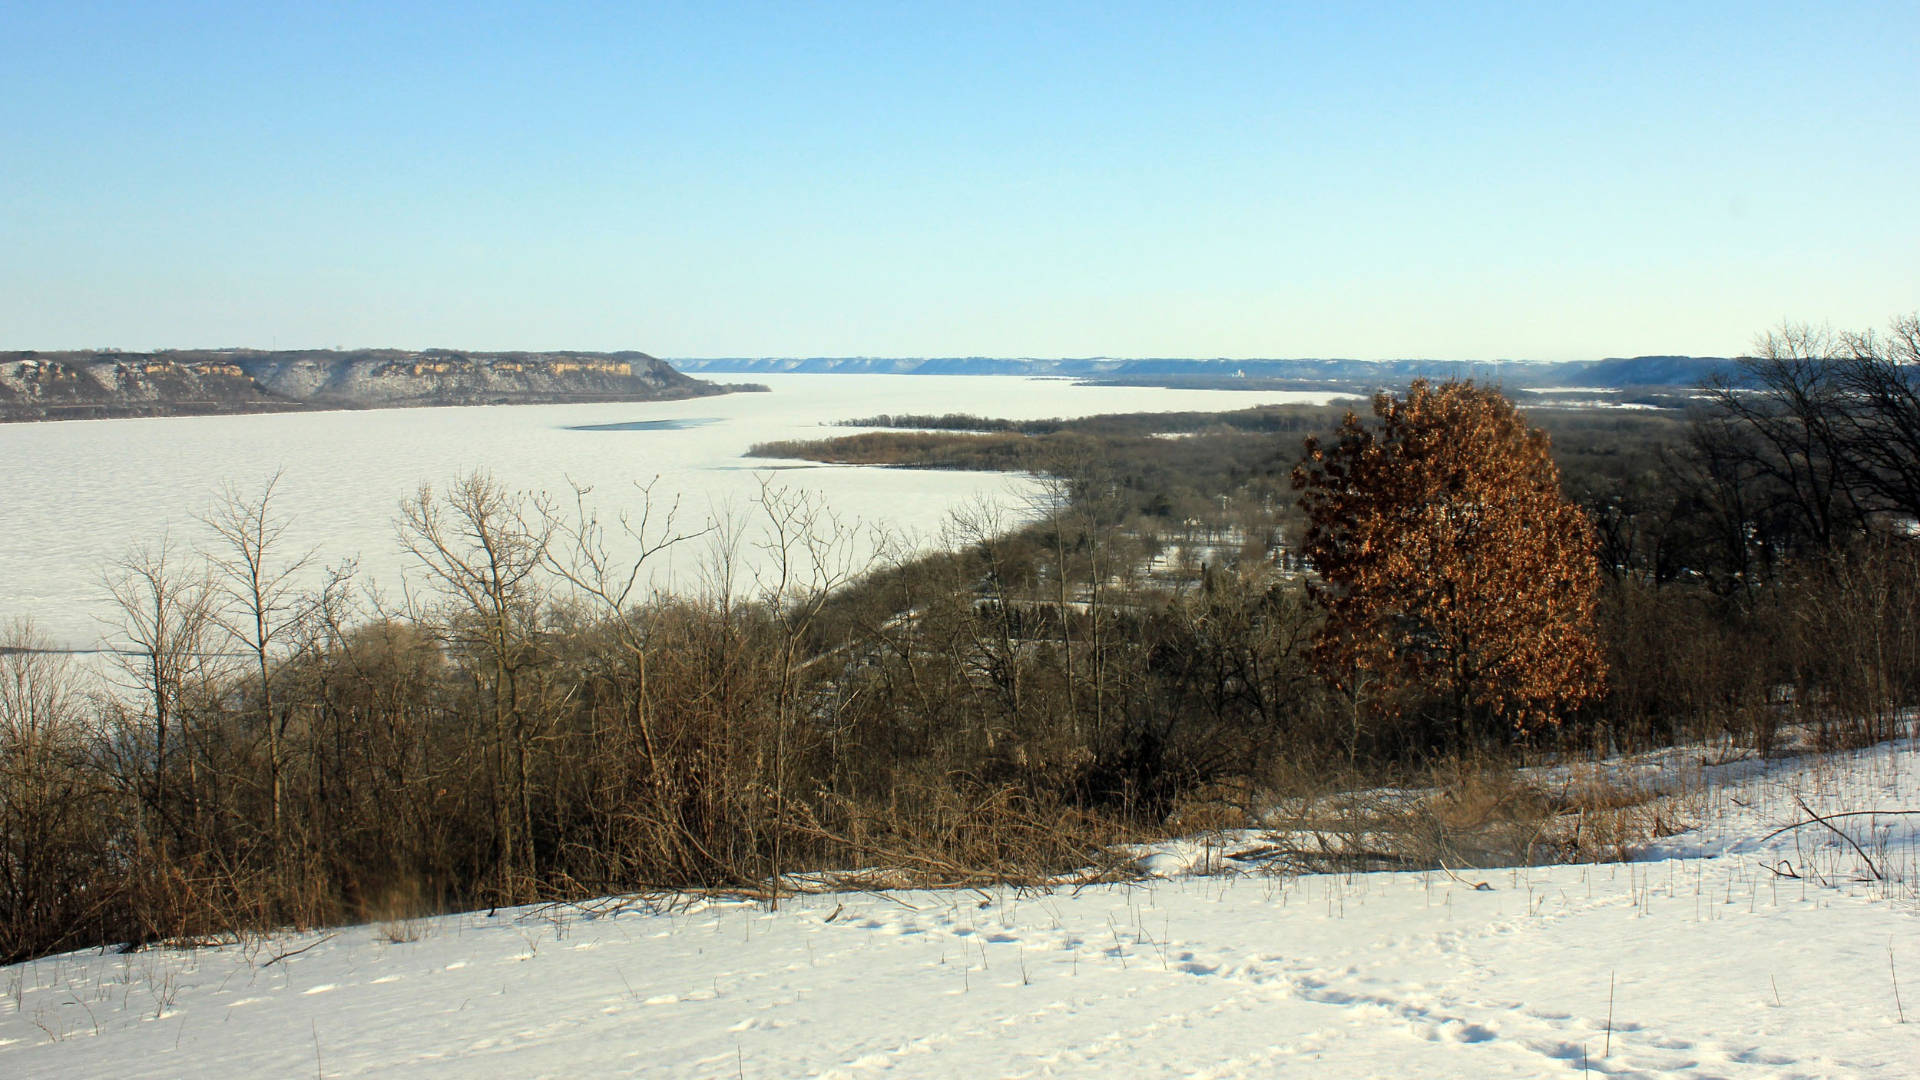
(1454, 572)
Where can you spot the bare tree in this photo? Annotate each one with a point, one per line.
(258, 606)
(1880, 378)
(808, 553)
(166, 608)
(1788, 405)
(992, 645)
(484, 547)
(51, 808)
(609, 566)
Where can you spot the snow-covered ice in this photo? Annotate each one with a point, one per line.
(80, 493)
(1703, 959)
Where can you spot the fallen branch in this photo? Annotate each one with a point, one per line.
(1835, 830)
(1837, 817)
(296, 952)
(1477, 886)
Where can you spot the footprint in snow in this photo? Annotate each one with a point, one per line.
(1559, 1051)
(1652, 1067)
(1755, 1057)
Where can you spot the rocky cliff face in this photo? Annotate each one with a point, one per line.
(45, 386)
(40, 386)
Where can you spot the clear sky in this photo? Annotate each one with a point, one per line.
(1551, 181)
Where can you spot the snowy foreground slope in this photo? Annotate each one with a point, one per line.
(1706, 963)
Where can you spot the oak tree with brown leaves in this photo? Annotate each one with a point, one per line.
(1457, 580)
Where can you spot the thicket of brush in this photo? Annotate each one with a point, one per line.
(538, 725)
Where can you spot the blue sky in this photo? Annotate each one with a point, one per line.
(1543, 181)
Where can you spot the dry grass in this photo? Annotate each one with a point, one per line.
(1476, 814)
(398, 913)
(1597, 816)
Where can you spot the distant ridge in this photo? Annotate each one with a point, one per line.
(79, 384)
(1613, 372)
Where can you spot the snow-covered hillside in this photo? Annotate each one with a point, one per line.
(1724, 953)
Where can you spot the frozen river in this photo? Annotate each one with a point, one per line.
(80, 493)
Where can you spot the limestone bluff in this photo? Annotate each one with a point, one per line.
(104, 383)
